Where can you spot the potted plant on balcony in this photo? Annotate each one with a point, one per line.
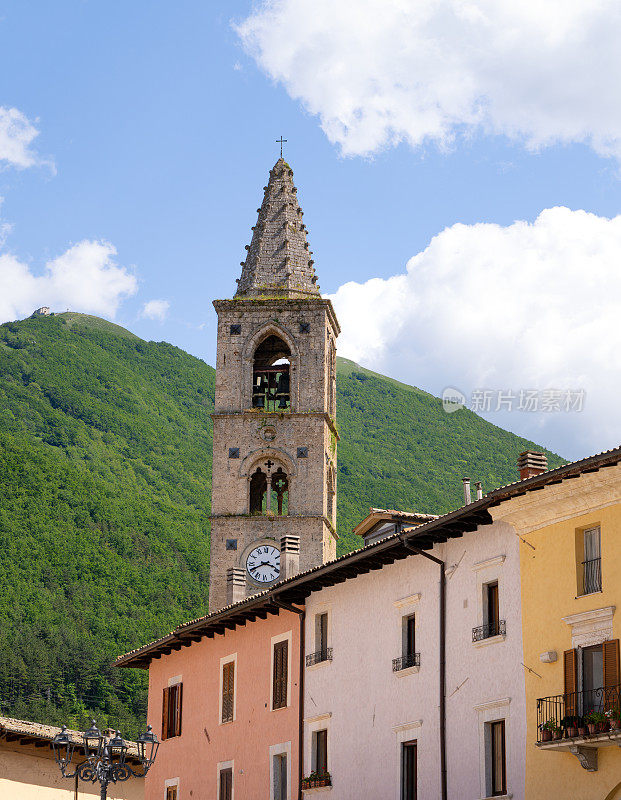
(547, 729)
(582, 727)
(595, 721)
(614, 718)
(570, 726)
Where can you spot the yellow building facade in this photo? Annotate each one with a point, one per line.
(570, 561)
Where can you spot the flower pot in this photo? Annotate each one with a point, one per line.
(592, 726)
(615, 724)
(582, 731)
(558, 734)
(571, 732)
(546, 736)
(602, 727)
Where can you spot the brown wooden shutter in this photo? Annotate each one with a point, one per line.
(178, 704)
(165, 714)
(279, 697)
(570, 671)
(228, 691)
(611, 663)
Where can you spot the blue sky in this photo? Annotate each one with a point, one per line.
(156, 129)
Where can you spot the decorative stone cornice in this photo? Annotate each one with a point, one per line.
(490, 562)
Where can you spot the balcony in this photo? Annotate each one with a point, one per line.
(406, 662)
(592, 576)
(319, 657)
(580, 723)
(489, 631)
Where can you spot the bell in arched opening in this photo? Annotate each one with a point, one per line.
(271, 375)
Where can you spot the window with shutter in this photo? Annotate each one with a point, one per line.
(226, 784)
(171, 793)
(570, 672)
(228, 692)
(171, 711)
(320, 751)
(499, 771)
(279, 688)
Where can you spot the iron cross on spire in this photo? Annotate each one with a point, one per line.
(280, 141)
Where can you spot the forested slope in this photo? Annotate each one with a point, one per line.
(105, 481)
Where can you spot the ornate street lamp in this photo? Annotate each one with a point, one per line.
(105, 759)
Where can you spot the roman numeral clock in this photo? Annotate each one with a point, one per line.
(263, 563)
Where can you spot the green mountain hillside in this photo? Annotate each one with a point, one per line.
(105, 480)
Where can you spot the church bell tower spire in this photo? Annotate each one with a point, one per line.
(274, 433)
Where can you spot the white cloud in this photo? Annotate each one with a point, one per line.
(383, 71)
(17, 134)
(84, 278)
(155, 309)
(530, 305)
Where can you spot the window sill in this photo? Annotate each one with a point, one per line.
(319, 664)
(499, 797)
(482, 643)
(280, 708)
(589, 594)
(407, 671)
(317, 789)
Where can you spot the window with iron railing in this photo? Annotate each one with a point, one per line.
(498, 628)
(592, 563)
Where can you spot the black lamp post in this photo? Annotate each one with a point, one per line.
(105, 759)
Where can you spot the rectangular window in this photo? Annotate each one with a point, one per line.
(280, 677)
(321, 634)
(320, 751)
(408, 771)
(171, 711)
(228, 691)
(591, 564)
(409, 636)
(493, 611)
(279, 766)
(498, 757)
(171, 793)
(225, 789)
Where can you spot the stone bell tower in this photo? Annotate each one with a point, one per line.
(274, 434)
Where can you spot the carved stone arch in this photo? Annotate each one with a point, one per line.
(254, 339)
(260, 454)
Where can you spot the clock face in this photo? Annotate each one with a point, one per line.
(263, 563)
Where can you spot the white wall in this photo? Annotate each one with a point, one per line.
(369, 710)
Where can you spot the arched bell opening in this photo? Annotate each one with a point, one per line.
(269, 490)
(271, 379)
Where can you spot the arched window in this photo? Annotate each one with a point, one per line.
(270, 377)
(269, 490)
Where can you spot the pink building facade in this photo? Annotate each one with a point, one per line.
(237, 734)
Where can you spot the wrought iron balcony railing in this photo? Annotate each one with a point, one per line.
(568, 715)
(487, 631)
(319, 656)
(592, 575)
(404, 662)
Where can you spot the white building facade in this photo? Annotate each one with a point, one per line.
(382, 719)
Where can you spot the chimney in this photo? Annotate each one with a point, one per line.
(479, 489)
(289, 556)
(531, 463)
(235, 585)
(466, 491)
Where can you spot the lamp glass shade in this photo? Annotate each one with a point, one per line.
(117, 748)
(148, 744)
(93, 742)
(63, 747)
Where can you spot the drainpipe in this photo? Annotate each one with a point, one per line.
(408, 546)
(302, 614)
